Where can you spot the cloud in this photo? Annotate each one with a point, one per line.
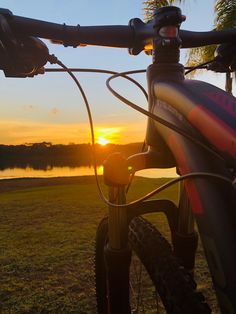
(29, 107)
(54, 111)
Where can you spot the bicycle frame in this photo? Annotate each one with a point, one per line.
(177, 100)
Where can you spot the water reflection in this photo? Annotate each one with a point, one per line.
(49, 172)
(158, 173)
(66, 171)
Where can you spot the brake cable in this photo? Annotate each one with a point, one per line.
(198, 67)
(103, 72)
(53, 60)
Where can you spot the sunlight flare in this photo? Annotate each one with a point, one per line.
(103, 141)
(104, 136)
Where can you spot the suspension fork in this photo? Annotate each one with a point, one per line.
(117, 252)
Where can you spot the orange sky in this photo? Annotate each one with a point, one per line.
(20, 132)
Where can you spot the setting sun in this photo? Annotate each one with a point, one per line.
(102, 140)
(105, 136)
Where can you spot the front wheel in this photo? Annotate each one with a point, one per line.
(158, 284)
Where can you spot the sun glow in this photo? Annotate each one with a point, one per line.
(105, 136)
(102, 141)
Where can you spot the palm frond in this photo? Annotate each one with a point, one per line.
(225, 14)
(199, 55)
(196, 56)
(225, 17)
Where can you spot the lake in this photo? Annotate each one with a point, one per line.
(65, 171)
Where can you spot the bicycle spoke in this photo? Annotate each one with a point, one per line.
(143, 298)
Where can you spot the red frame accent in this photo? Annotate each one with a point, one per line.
(215, 130)
(185, 168)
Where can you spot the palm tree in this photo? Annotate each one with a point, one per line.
(225, 17)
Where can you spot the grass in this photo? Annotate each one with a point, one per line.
(47, 244)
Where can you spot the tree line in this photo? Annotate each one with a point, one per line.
(45, 155)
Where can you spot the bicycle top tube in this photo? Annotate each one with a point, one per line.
(136, 34)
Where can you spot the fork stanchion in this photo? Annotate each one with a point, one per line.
(117, 253)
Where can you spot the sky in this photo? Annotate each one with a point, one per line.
(49, 107)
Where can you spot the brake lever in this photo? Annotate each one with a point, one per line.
(225, 60)
(20, 56)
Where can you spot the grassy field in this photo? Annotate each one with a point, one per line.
(47, 236)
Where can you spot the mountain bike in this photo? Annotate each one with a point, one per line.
(191, 126)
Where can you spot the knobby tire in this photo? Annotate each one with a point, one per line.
(174, 285)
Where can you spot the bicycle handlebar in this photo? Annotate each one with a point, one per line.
(113, 36)
(198, 39)
(136, 34)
